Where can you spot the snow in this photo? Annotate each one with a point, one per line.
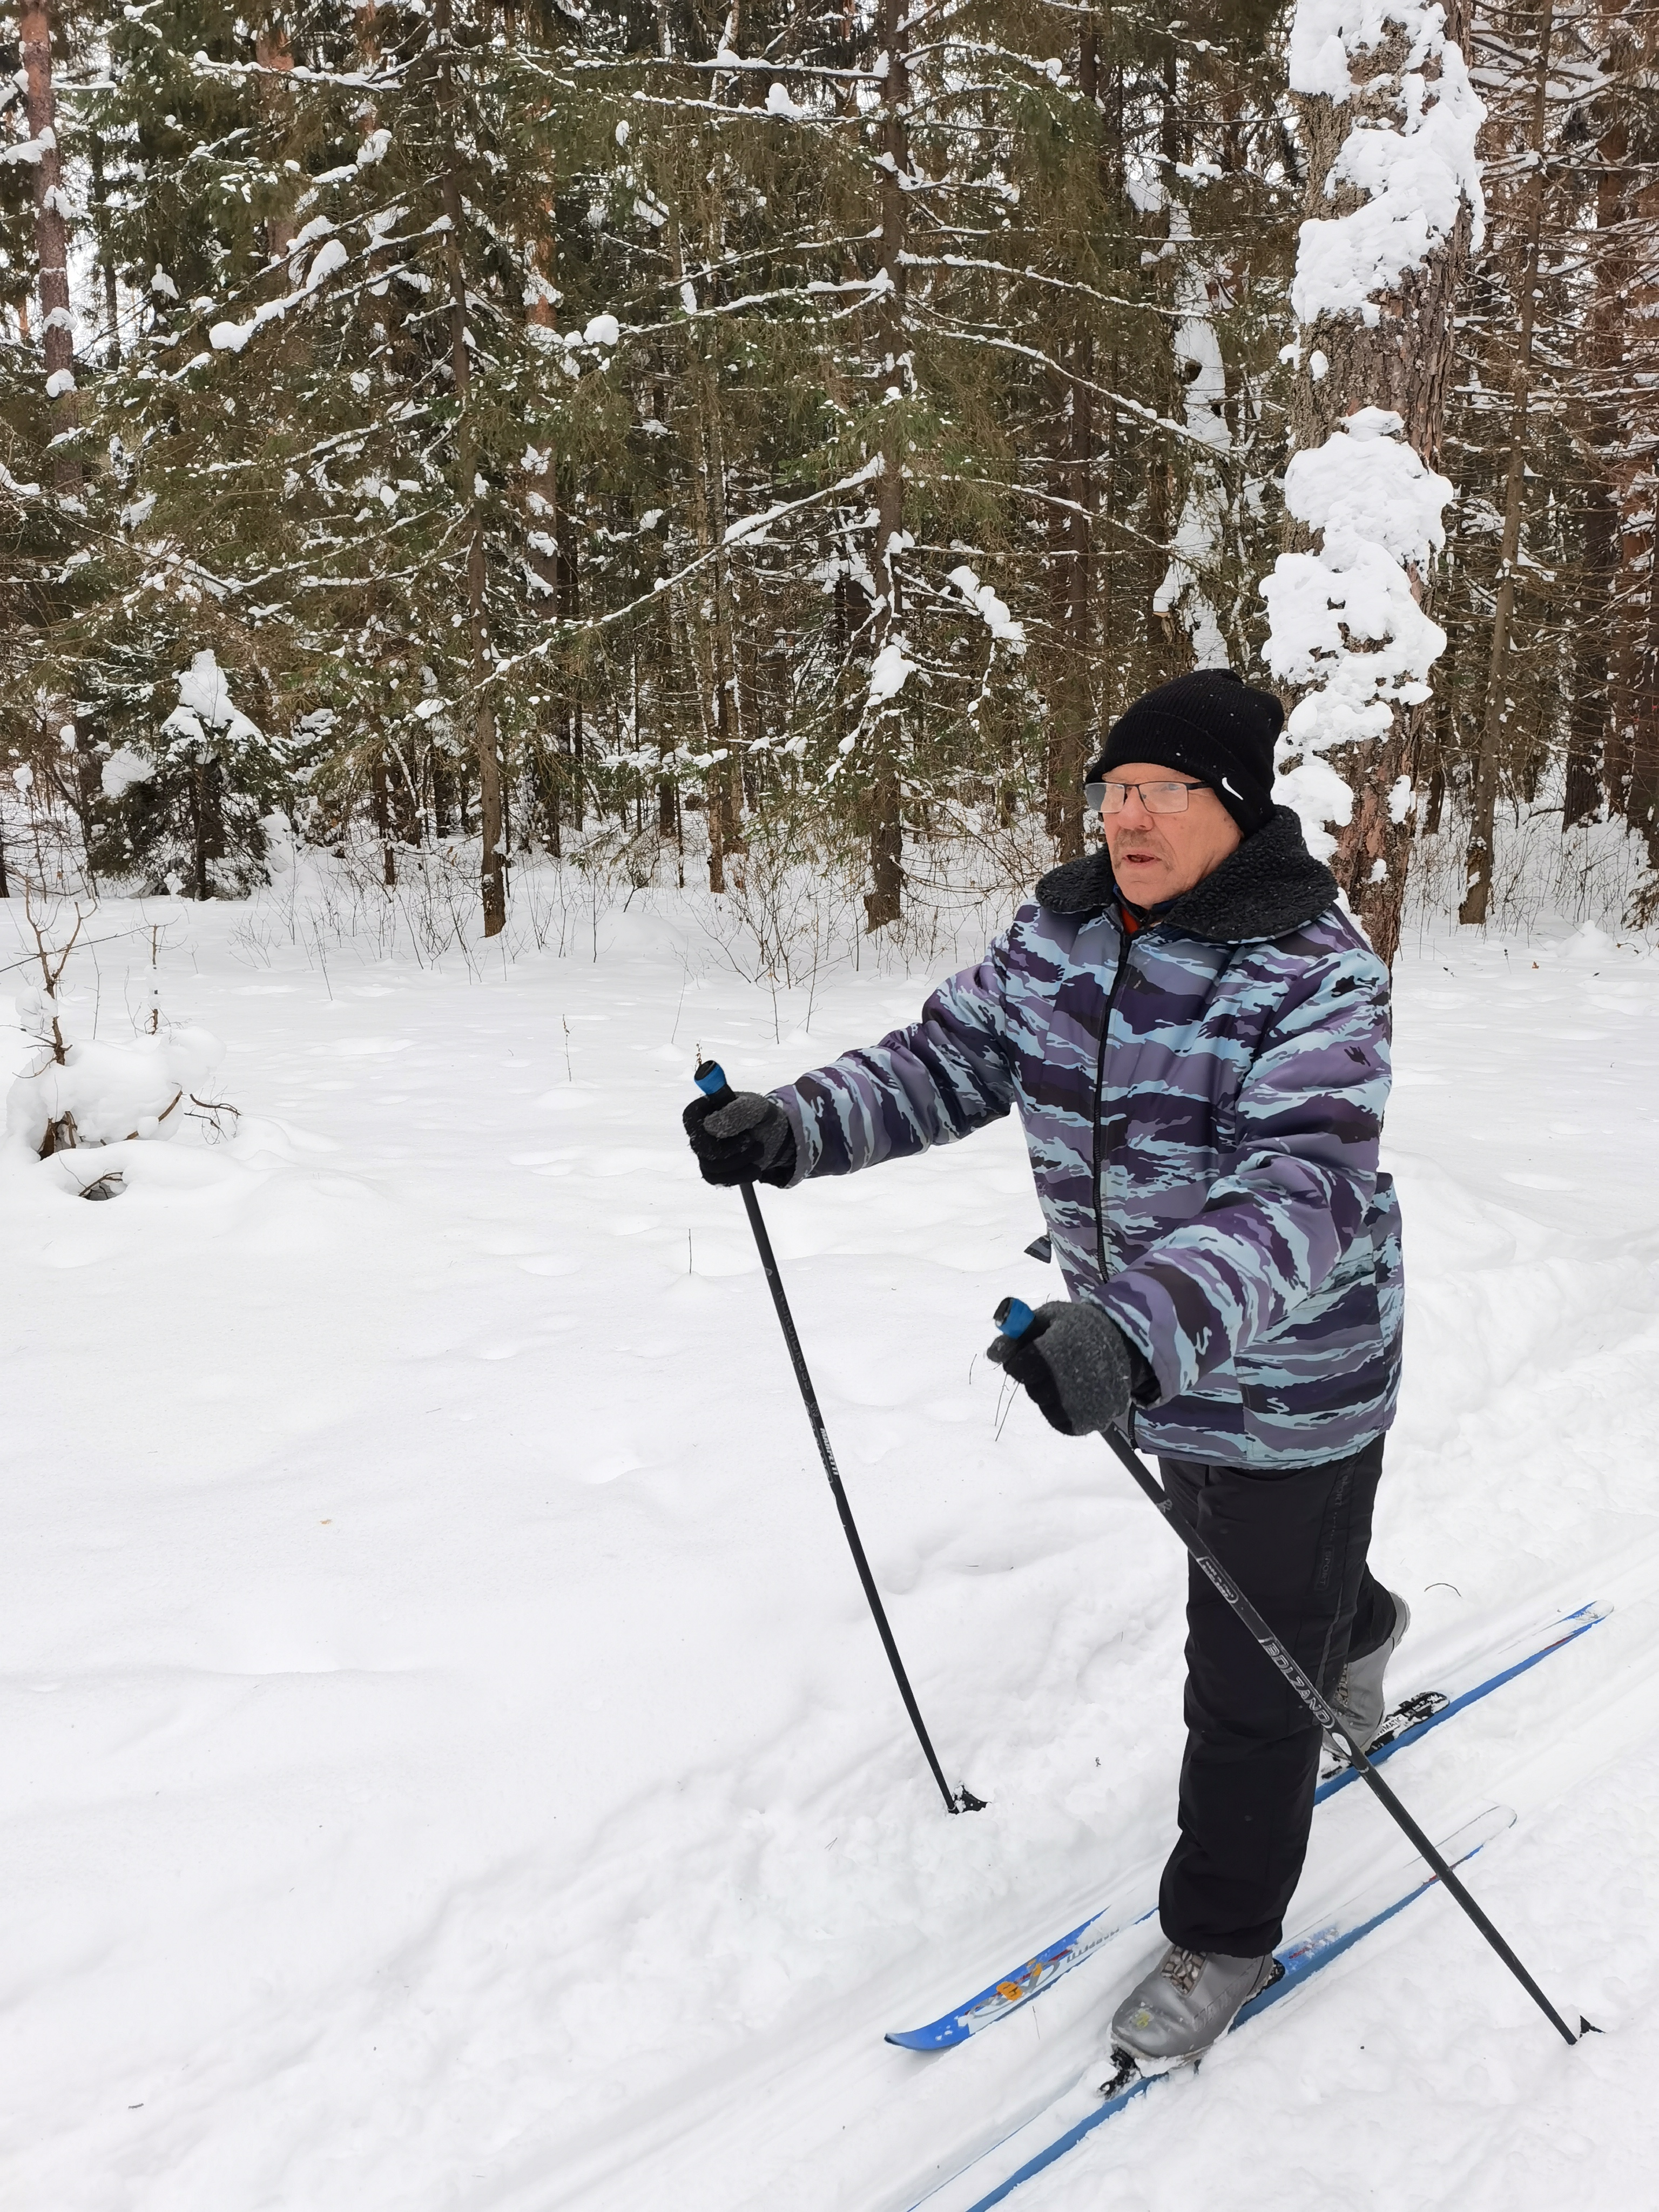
(1345, 619)
(1319, 795)
(60, 384)
(888, 672)
(320, 226)
(123, 769)
(449, 1760)
(1376, 505)
(204, 697)
(1204, 392)
(132, 1088)
(1346, 616)
(1416, 177)
(991, 611)
(331, 256)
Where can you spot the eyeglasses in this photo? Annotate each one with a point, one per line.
(1156, 798)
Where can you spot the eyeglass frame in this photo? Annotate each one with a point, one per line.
(1094, 793)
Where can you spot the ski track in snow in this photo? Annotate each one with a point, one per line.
(450, 1763)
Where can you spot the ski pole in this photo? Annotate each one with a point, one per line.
(1014, 1318)
(711, 1081)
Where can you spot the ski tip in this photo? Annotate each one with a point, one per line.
(942, 2035)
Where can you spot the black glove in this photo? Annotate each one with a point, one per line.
(1082, 1371)
(745, 1138)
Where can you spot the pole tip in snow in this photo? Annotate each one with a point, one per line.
(1014, 1316)
(710, 1077)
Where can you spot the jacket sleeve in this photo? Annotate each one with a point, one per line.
(1272, 1229)
(928, 1083)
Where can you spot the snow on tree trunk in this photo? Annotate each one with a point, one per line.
(50, 237)
(1203, 378)
(1389, 120)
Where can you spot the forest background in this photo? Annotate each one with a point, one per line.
(766, 446)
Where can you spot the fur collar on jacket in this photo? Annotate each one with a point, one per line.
(1270, 885)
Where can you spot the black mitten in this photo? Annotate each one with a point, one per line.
(745, 1138)
(1077, 1364)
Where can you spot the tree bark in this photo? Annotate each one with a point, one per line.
(1403, 363)
(493, 870)
(272, 50)
(1478, 866)
(106, 258)
(51, 242)
(884, 901)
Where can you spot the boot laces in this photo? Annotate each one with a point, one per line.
(1183, 1968)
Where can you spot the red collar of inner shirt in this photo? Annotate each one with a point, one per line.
(1137, 918)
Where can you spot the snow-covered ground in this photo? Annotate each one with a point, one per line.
(447, 1762)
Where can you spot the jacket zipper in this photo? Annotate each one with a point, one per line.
(1100, 1092)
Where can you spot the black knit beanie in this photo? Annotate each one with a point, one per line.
(1211, 725)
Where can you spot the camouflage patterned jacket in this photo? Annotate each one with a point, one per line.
(1202, 1103)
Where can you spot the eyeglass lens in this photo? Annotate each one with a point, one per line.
(1156, 798)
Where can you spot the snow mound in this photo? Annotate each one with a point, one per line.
(138, 1088)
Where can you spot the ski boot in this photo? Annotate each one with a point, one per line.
(1357, 1698)
(1187, 2001)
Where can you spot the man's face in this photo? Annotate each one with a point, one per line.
(1157, 856)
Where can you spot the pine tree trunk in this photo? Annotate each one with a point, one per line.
(51, 240)
(106, 257)
(1593, 749)
(383, 821)
(1402, 362)
(1483, 812)
(493, 872)
(1643, 806)
(884, 901)
(272, 51)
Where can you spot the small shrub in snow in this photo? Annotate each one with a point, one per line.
(74, 1092)
(104, 1093)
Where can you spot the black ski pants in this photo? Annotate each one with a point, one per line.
(1294, 1539)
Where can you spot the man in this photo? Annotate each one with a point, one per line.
(1196, 1038)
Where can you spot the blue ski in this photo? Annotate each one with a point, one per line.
(1409, 1721)
(1083, 2107)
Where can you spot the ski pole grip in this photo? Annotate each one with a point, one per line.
(1013, 1317)
(710, 1078)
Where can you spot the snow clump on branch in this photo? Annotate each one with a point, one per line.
(888, 672)
(991, 611)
